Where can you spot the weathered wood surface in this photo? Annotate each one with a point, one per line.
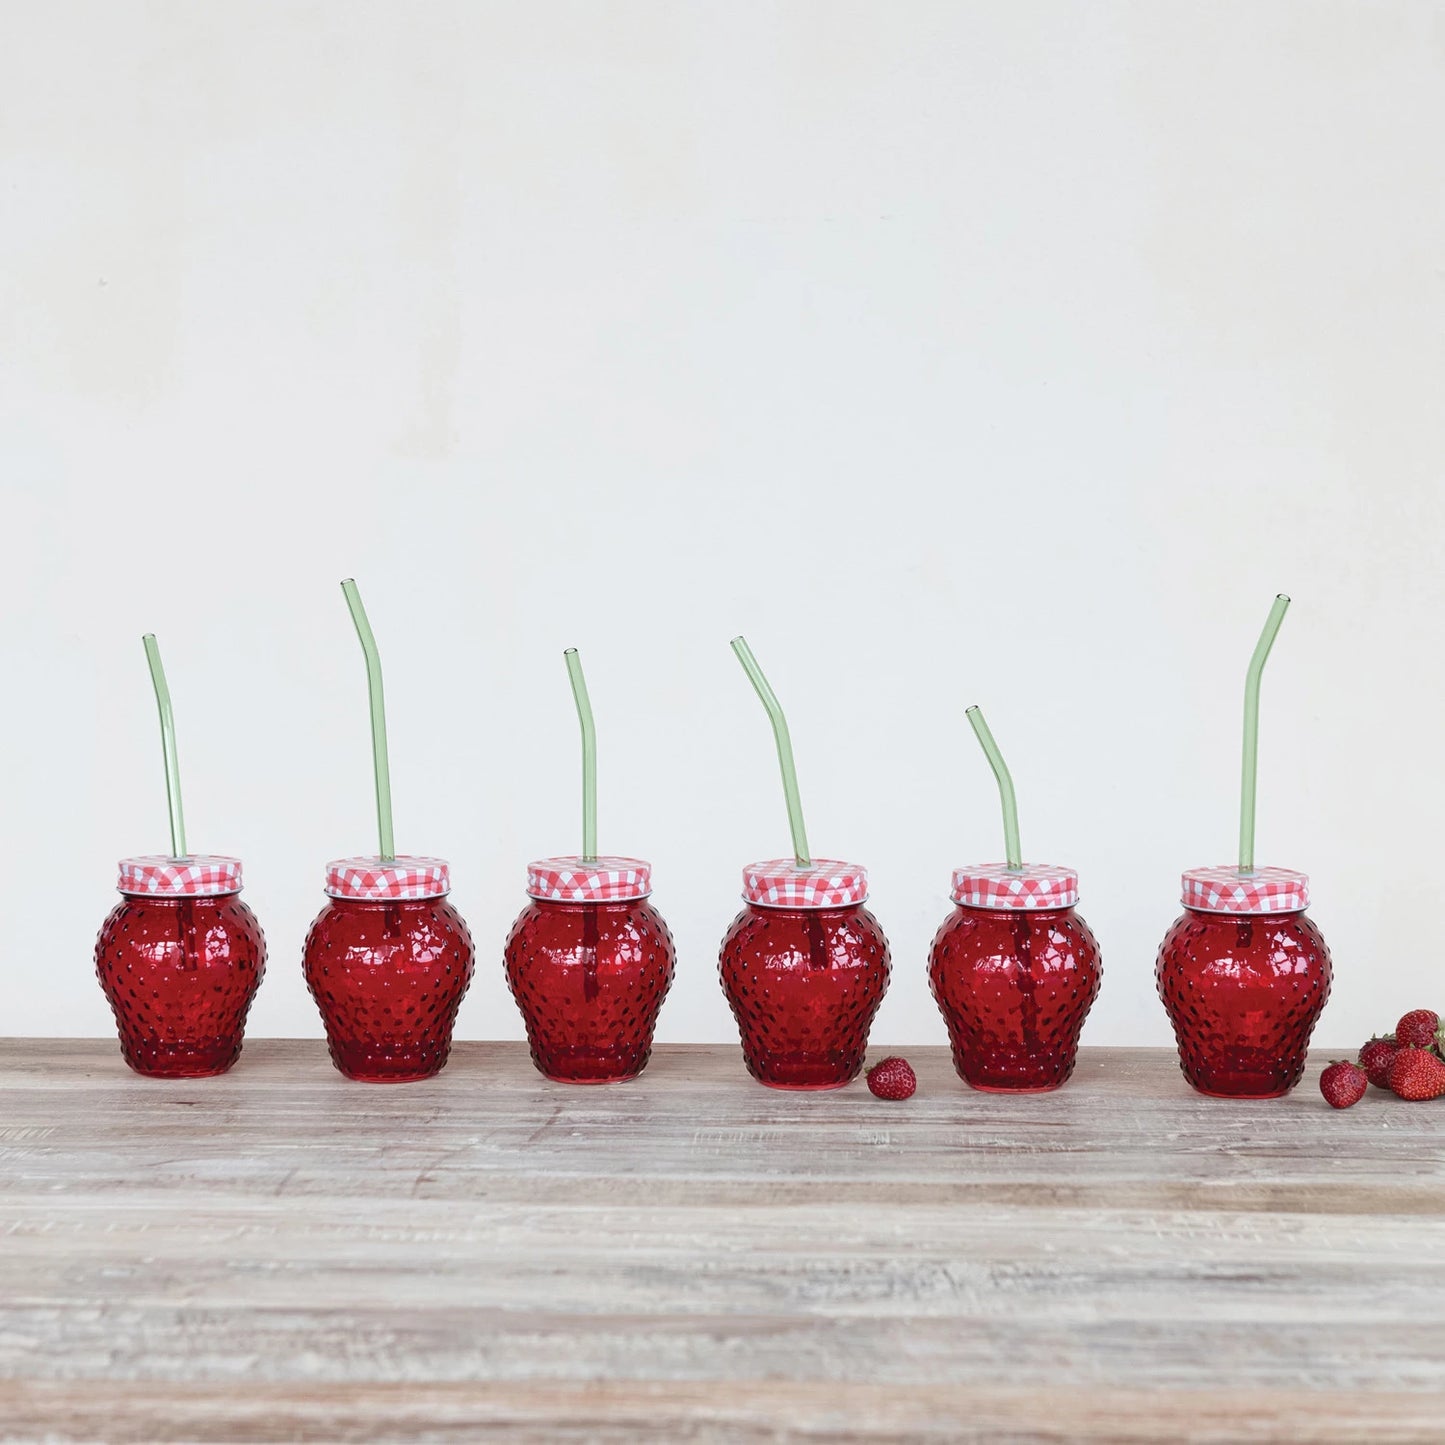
(282, 1255)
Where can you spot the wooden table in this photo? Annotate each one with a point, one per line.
(279, 1255)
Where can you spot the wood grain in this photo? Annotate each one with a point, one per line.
(281, 1255)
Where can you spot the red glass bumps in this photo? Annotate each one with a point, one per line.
(590, 979)
(388, 976)
(589, 962)
(1014, 971)
(804, 984)
(1014, 987)
(1243, 991)
(180, 974)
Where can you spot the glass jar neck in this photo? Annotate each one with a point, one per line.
(174, 898)
(771, 910)
(578, 904)
(1015, 912)
(429, 902)
(1241, 916)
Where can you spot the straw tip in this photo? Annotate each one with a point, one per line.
(348, 581)
(972, 708)
(1281, 596)
(147, 637)
(569, 652)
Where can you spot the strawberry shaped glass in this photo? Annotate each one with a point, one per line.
(804, 967)
(1014, 971)
(1243, 974)
(388, 961)
(589, 961)
(180, 958)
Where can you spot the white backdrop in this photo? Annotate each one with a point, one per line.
(996, 352)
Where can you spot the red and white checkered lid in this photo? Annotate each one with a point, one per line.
(381, 878)
(580, 880)
(1263, 890)
(194, 876)
(996, 885)
(824, 883)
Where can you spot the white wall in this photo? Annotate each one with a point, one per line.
(997, 352)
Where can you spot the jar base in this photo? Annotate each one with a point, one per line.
(1243, 1074)
(1272, 1093)
(181, 1061)
(1003, 1070)
(180, 1071)
(585, 1080)
(590, 1066)
(365, 1068)
(360, 1077)
(803, 1073)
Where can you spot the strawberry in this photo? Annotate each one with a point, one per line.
(1343, 1084)
(1376, 1058)
(1417, 1074)
(894, 1079)
(1418, 1028)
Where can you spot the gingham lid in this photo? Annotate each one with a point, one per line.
(1264, 890)
(194, 876)
(825, 883)
(579, 880)
(1035, 885)
(388, 878)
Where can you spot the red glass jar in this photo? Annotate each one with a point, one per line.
(180, 958)
(1243, 974)
(1014, 971)
(589, 961)
(804, 967)
(388, 961)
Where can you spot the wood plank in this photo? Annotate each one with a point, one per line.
(280, 1254)
(608, 1414)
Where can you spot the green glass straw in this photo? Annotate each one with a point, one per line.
(785, 751)
(1251, 731)
(1005, 789)
(378, 719)
(168, 746)
(589, 755)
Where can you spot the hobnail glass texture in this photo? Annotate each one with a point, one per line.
(1243, 992)
(590, 979)
(388, 977)
(1014, 987)
(804, 984)
(180, 974)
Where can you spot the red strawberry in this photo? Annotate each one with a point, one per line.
(894, 1079)
(1417, 1074)
(1417, 1028)
(1343, 1084)
(1376, 1058)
